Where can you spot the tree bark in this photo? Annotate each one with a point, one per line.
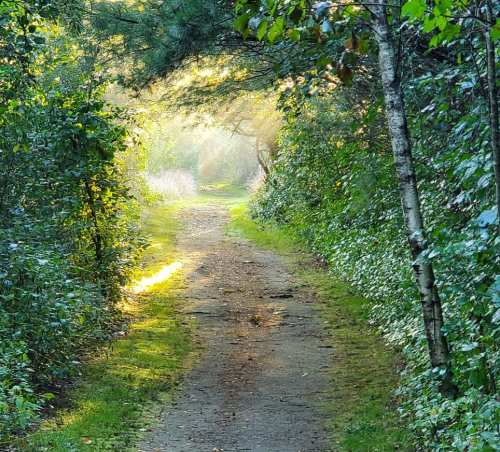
(400, 138)
(96, 234)
(493, 105)
(259, 158)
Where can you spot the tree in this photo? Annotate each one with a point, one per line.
(432, 311)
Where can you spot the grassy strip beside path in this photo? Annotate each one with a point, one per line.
(106, 408)
(363, 415)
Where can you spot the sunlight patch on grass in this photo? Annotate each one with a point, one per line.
(105, 411)
(145, 284)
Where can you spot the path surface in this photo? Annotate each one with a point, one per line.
(259, 385)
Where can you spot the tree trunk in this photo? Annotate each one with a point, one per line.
(259, 158)
(96, 233)
(407, 181)
(493, 105)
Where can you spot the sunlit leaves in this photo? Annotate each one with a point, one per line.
(414, 8)
(64, 257)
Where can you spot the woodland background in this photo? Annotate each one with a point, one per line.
(297, 85)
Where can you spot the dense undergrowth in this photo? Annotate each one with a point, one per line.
(337, 192)
(112, 404)
(69, 237)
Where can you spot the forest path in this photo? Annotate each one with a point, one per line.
(259, 385)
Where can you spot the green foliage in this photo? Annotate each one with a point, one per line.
(110, 405)
(339, 195)
(68, 243)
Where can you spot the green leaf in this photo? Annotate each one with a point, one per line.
(468, 347)
(444, 5)
(495, 31)
(415, 8)
(261, 30)
(434, 41)
(242, 22)
(296, 15)
(239, 5)
(294, 35)
(273, 32)
(429, 23)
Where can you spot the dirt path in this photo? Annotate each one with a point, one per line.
(259, 385)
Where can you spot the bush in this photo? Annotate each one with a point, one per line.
(341, 199)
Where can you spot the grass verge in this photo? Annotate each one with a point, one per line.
(363, 415)
(106, 408)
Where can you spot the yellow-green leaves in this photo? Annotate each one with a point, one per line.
(415, 9)
(441, 17)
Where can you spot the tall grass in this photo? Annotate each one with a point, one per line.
(173, 184)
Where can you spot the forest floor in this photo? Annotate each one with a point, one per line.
(238, 339)
(262, 380)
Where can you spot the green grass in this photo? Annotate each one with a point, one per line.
(226, 194)
(363, 416)
(114, 400)
(106, 410)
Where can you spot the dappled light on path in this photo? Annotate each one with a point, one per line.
(166, 272)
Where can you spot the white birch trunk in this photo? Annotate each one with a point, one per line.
(405, 169)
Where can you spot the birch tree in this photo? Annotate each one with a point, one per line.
(432, 311)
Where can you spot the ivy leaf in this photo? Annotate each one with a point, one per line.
(326, 27)
(468, 347)
(486, 218)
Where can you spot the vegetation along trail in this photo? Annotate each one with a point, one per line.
(260, 384)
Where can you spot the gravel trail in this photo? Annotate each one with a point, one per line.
(259, 385)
